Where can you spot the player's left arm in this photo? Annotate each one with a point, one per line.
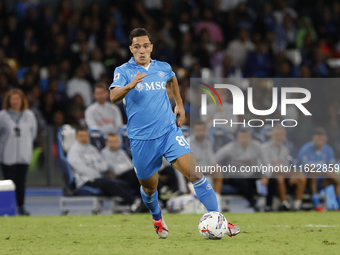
(172, 84)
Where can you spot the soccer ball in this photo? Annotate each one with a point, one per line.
(213, 225)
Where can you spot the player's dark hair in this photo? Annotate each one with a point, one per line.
(137, 32)
(101, 85)
(320, 131)
(80, 128)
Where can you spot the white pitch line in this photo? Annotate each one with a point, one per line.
(100, 226)
(322, 226)
(288, 226)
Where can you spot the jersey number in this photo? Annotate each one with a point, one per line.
(182, 141)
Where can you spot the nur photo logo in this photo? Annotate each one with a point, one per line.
(281, 98)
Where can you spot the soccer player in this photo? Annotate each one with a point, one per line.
(319, 152)
(153, 128)
(275, 153)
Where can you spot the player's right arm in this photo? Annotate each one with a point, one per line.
(117, 93)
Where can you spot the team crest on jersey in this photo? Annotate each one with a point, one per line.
(161, 74)
(116, 76)
(139, 87)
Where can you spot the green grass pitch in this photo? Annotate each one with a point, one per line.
(261, 233)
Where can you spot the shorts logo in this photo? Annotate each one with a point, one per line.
(209, 187)
(161, 74)
(116, 77)
(139, 87)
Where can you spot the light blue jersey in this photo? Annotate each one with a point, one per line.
(147, 105)
(308, 155)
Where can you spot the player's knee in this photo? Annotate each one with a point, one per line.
(149, 190)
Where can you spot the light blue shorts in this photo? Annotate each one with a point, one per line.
(147, 154)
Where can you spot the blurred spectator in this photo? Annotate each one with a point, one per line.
(58, 50)
(3, 11)
(18, 129)
(163, 50)
(305, 28)
(318, 152)
(78, 85)
(243, 152)
(285, 69)
(326, 25)
(209, 25)
(48, 107)
(245, 16)
(283, 9)
(96, 64)
(267, 18)
(102, 114)
(58, 119)
(29, 82)
(53, 76)
(238, 48)
(112, 58)
(64, 9)
(21, 8)
(184, 23)
(33, 97)
(88, 167)
(275, 153)
(285, 34)
(258, 63)
(120, 165)
(320, 66)
(76, 112)
(305, 72)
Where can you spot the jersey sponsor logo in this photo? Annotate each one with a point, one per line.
(161, 74)
(158, 85)
(139, 87)
(116, 77)
(155, 85)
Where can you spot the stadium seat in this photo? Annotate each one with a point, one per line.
(66, 136)
(124, 140)
(97, 138)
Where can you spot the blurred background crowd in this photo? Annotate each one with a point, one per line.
(45, 46)
(57, 50)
